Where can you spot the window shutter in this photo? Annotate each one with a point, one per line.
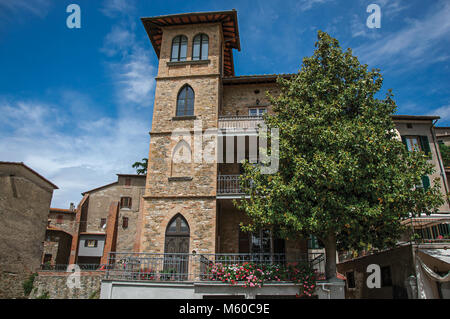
(426, 182)
(404, 142)
(425, 145)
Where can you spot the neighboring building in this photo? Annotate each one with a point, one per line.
(58, 237)
(25, 198)
(106, 220)
(443, 135)
(407, 271)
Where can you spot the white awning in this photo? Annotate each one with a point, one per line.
(441, 254)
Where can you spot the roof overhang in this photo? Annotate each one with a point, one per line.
(228, 19)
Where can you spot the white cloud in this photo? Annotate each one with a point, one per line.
(86, 156)
(305, 5)
(443, 112)
(36, 7)
(419, 42)
(113, 8)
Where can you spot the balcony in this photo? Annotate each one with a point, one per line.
(228, 185)
(204, 267)
(240, 123)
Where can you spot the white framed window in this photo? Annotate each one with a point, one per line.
(257, 111)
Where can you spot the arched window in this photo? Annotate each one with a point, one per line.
(176, 248)
(185, 101)
(179, 48)
(200, 47)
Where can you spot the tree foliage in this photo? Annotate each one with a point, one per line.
(141, 167)
(344, 175)
(445, 153)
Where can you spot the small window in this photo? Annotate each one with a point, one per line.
(418, 143)
(179, 48)
(90, 243)
(386, 279)
(128, 181)
(125, 202)
(257, 111)
(47, 258)
(200, 47)
(409, 125)
(102, 222)
(124, 222)
(59, 219)
(351, 279)
(185, 101)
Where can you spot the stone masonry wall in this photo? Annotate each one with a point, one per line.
(55, 285)
(200, 213)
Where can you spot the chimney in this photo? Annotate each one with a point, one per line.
(72, 206)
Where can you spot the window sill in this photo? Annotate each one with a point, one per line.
(191, 62)
(180, 179)
(183, 118)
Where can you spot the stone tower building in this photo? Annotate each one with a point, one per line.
(185, 190)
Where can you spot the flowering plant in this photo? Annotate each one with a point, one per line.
(254, 275)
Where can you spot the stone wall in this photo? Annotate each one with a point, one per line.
(200, 213)
(54, 285)
(24, 205)
(237, 99)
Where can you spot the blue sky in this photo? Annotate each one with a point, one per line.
(76, 104)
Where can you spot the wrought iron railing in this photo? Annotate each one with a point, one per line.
(239, 122)
(64, 267)
(193, 267)
(228, 185)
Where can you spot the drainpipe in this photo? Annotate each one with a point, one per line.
(441, 165)
(326, 290)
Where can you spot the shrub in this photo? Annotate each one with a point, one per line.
(28, 284)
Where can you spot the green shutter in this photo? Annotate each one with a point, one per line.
(425, 145)
(404, 142)
(426, 182)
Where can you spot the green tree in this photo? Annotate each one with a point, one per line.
(445, 153)
(344, 176)
(141, 167)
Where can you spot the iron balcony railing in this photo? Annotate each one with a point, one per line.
(228, 185)
(239, 122)
(64, 267)
(192, 267)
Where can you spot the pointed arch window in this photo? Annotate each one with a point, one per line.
(185, 101)
(179, 48)
(200, 47)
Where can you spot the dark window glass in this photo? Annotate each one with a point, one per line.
(179, 48)
(351, 279)
(102, 222)
(125, 202)
(185, 101)
(124, 222)
(91, 243)
(200, 47)
(178, 226)
(386, 279)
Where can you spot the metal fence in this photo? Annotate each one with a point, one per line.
(239, 122)
(193, 267)
(228, 185)
(64, 267)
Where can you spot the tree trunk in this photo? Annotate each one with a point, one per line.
(330, 254)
